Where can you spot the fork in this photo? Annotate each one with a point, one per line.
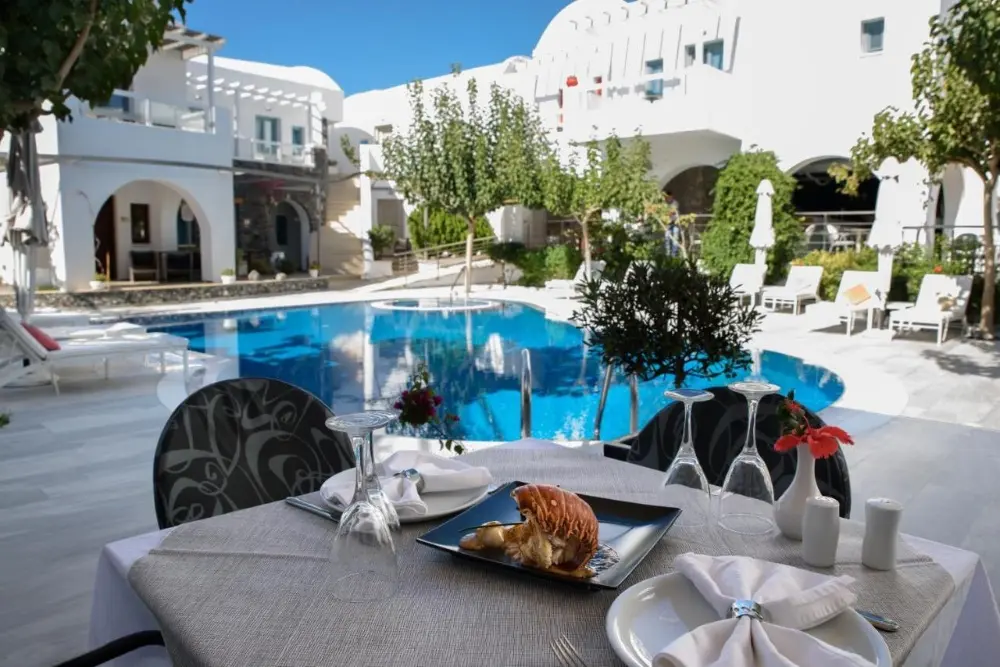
(566, 653)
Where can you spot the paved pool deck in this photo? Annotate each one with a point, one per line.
(75, 469)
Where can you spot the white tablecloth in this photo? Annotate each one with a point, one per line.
(965, 634)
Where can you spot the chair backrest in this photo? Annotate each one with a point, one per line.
(15, 334)
(596, 269)
(870, 279)
(748, 277)
(241, 443)
(934, 286)
(805, 279)
(719, 429)
(143, 259)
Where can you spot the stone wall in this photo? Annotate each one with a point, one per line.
(159, 295)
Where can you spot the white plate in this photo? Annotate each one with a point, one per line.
(647, 617)
(438, 504)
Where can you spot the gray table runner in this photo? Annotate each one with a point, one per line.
(248, 589)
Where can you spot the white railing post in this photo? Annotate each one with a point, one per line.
(147, 111)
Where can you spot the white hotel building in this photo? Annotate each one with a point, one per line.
(225, 147)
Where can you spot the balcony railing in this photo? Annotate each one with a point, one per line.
(273, 151)
(127, 107)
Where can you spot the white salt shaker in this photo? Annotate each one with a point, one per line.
(882, 516)
(820, 531)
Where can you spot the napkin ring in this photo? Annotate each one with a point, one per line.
(741, 608)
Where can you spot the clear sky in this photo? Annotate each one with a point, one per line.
(369, 44)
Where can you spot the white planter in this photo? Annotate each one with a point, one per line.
(380, 268)
(314, 273)
(790, 508)
(97, 285)
(228, 280)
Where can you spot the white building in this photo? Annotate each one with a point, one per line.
(702, 80)
(150, 185)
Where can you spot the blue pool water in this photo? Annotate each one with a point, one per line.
(347, 353)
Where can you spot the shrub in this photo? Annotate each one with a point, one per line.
(835, 263)
(976, 301)
(4, 419)
(382, 238)
(286, 266)
(314, 266)
(562, 262)
(227, 272)
(726, 241)
(442, 228)
(532, 265)
(620, 245)
(100, 278)
(506, 253)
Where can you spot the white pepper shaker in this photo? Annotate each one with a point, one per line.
(820, 531)
(882, 516)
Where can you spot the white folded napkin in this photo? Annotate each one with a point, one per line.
(439, 474)
(793, 600)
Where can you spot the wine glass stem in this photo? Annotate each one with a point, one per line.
(751, 444)
(687, 445)
(365, 479)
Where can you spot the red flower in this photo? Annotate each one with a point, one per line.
(437, 400)
(398, 405)
(823, 442)
(938, 269)
(794, 407)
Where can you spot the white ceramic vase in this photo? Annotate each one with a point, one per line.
(790, 508)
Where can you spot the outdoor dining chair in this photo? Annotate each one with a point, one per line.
(240, 443)
(719, 430)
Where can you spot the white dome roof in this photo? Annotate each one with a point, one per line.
(561, 31)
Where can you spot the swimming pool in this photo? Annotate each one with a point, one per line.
(352, 354)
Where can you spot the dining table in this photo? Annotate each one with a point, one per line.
(249, 588)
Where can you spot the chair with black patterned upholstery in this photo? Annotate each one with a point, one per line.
(719, 429)
(241, 443)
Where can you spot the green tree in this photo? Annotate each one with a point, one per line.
(467, 160)
(614, 176)
(726, 241)
(442, 228)
(955, 121)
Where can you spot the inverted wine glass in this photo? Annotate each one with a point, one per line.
(746, 504)
(685, 480)
(364, 555)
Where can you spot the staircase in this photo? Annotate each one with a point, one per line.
(340, 246)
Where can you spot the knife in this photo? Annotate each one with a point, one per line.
(879, 622)
(313, 509)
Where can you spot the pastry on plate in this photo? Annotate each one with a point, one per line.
(558, 534)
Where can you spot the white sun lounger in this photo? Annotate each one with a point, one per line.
(801, 286)
(848, 312)
(562, 288)
(748, 280)
(929, 312)
(21, 355)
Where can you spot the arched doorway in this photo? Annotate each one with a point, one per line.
(834, 220)
(149, 231)
(291, 234)
(693, 189)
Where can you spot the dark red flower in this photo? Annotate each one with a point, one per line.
(437, 400)
(398, 405)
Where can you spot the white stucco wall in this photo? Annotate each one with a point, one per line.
(163, 78)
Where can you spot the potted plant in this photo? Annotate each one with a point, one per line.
(228, 276)
(381, 238)
(99, 282)
(665, 317)
(314, 269)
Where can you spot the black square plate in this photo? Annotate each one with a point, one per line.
(630, 529)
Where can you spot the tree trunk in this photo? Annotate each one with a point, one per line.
(989, 264)
(468, 255)
(586, 249)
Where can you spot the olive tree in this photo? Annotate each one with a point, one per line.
(955, 121)
(467, 159)
(613, 176)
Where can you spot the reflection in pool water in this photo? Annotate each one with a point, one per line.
(353, 354)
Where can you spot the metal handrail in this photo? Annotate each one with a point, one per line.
(525, 393)
(454, 282)
(633, 391)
